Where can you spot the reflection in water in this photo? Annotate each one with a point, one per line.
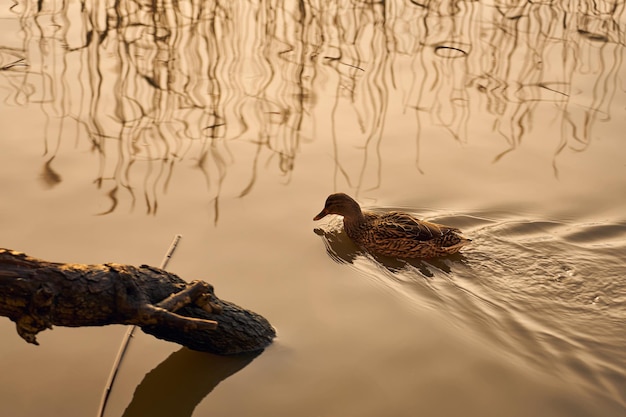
(512, 58)
(229, 87)
(48, 175)
(178, 384)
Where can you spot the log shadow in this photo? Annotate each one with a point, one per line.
(179, 383)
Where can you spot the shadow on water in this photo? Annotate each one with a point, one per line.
(232, 89)
(177, 385)
(548, 293)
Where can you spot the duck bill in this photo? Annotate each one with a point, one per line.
(321, 215)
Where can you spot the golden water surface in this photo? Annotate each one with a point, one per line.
(124, 123)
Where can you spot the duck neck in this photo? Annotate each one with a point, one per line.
(353, 221)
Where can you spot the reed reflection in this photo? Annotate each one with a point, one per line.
(511, 59)
(231, 88)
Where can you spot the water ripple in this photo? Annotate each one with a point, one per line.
(551, 294)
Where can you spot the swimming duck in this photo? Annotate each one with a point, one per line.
(394, 233)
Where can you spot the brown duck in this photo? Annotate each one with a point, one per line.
(395, 233)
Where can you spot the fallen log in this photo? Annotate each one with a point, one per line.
(36, 295)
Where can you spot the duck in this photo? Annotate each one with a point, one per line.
(394, 234)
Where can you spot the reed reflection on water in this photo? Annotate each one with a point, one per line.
(230, 88)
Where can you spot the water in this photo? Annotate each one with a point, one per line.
(229, 123)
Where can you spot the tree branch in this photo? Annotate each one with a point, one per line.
(37, 295)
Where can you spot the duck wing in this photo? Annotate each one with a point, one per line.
(398, 225)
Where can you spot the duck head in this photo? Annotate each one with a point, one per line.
(341, 204)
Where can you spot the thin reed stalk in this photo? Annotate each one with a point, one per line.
(129, 334)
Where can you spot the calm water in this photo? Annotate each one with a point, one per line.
(125, 123)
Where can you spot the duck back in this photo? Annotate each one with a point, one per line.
(402, 235)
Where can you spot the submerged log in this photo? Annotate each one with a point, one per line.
(36, 295)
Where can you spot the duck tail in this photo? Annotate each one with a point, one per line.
(457, 246)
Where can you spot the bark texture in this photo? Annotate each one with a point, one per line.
(36, 295)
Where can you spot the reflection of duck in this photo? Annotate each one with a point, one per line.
(393, 234)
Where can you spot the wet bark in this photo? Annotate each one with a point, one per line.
(36, 295)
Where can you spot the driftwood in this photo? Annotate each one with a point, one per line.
(37, 295)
